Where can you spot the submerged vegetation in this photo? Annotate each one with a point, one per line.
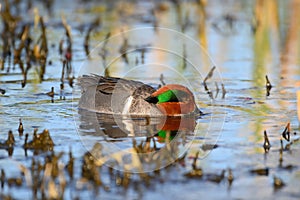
(51, 174)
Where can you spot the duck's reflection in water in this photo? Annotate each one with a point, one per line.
(136, 144)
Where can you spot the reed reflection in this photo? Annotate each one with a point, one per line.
(136, 144)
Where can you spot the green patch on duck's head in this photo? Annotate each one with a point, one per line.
(168, 96)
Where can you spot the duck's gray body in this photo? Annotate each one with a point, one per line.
(116, 96)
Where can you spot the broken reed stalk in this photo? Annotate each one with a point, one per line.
(184, 56)
(286, 132)
(268, 86)
(210, 74)
(63, 71)
(223, 91)
(9, 35)
(68, 31)
(217, 90)
(161, 78)
(21, 127)
(194, 164)
(67, 54)
(185, 23)
(143, 55)
(267, 144)
(93, 25)
(86, 42)
(44, 45)
(298, 106)
(103, 53)
(123, 50)
(60, 47)
(24, 42)
(23, 39)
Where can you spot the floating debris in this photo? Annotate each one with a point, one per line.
(9, 143)
(89, 169)
(61, 92)
(260, 171)
(216, 178)
(289, 167)
(21, 128)
(277, 183)
(267, 144)
(70, 165)
(286, 132)
(207, 147)
(51, 93)
(2, 91)
(42, 141)
(196, 172)
(10, 140)
(14, 182)
(230, 177)
(268, 86)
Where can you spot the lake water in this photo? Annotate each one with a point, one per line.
(245, 40)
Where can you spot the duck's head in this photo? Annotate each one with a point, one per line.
(174, 100)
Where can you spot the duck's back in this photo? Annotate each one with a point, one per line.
(116, 96)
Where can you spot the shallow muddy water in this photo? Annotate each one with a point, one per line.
(171, 43)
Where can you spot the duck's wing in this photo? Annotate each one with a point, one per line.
(102, 92)
(109, 85)
(87, 81)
